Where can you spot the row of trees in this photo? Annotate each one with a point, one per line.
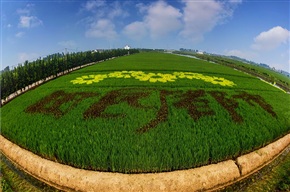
(52, 65)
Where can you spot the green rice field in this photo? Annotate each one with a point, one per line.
(147, 112)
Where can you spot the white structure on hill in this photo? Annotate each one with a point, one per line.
(127, 47)
(200, 52)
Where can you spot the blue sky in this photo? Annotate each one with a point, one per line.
(252, 29)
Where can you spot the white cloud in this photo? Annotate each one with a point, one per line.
(91, 5)
(103, 18)
(142, 8)
(235, 52)
(200, 17)
(26, 20)
(160, 19)
(271, 39)
(192, 21)
(136, 30)
(242, 54)
(22, 57)
(29, 21)
(235, 1)
(19, 34)
(103, 9)
(103, 28)
(116, 10)
(25, 11)
(67, 44)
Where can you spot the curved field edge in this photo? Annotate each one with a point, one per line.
(204, 178)
(274, 176)
(56, 141)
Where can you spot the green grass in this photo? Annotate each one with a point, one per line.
(11, 180)
(182, 130)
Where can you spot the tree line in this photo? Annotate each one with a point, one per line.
(51, 65)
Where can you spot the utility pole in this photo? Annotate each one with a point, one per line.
(65, 52)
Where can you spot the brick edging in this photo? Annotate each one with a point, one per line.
(203, 178)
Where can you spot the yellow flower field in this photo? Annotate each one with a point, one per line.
(153, 77)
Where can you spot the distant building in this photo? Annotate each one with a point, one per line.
(200, 52)
(127, 47)
(264, 65)
(97, 51)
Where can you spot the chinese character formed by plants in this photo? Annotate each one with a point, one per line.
(54, 103)
(115, 97)
(194, 102)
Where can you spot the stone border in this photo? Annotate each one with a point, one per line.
(208, 177)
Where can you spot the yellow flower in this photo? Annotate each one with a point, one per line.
(137, 74)
(99, 78)
(226, 82)
(153, 77)
(89, 79)
(121, 74)
(214, 80)
(218, 80)
(207, 79)
(188, 75)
